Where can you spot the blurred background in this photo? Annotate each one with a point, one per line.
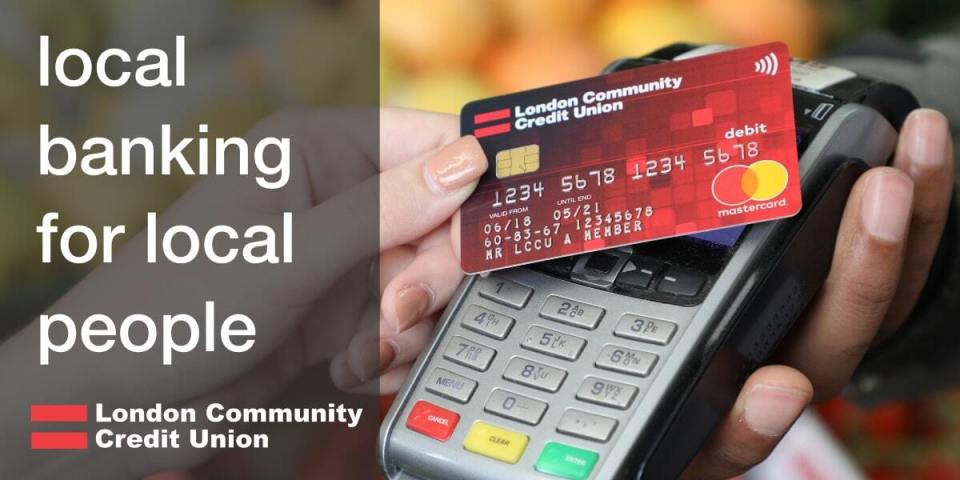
(249, 58)
(439, 54)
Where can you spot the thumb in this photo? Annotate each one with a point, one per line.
(416, 197)
(770, 401)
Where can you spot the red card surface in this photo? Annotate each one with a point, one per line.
(638, 155)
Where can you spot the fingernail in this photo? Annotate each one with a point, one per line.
(886, 206)
(341, 374)
(370, 366)
(388, 352)
(411, 304)
(456, 165)
(770, 410)
(925, 136)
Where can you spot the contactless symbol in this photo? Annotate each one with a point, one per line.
(760, 181)
(768, 65)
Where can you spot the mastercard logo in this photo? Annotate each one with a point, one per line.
(737, 184)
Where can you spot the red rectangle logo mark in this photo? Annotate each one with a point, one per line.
(492, 130)
(58, 413)
(491, 116)
(58, 440)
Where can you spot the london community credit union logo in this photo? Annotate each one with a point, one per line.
(760, 181)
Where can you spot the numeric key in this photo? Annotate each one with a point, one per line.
(571, 312)
(649, 330)
(534, 374)
(487, 322)
(505, 292)
(552, 342)
(626, 360)
(606, 392)
(515, 407)
(469, 354)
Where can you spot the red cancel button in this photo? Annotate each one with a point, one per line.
(432, 421)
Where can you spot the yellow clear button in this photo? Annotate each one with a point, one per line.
(495, 442)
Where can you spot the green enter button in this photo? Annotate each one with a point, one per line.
(566, 461)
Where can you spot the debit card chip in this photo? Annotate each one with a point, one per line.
(517, 161)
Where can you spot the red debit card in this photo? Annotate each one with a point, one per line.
(653, 152)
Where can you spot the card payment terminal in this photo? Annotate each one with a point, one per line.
(620, 363)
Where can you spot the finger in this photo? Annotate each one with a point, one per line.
(336, 226)
(407, 345)
(455, 234)
(925, 152)
(769, 402)
(416, 197)
(841, 323)
(394, 261)
(425, 286)
(372, 353)
(351, 300)
(407, 134)
(391, 381)
(387, 383)
(404, 134)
